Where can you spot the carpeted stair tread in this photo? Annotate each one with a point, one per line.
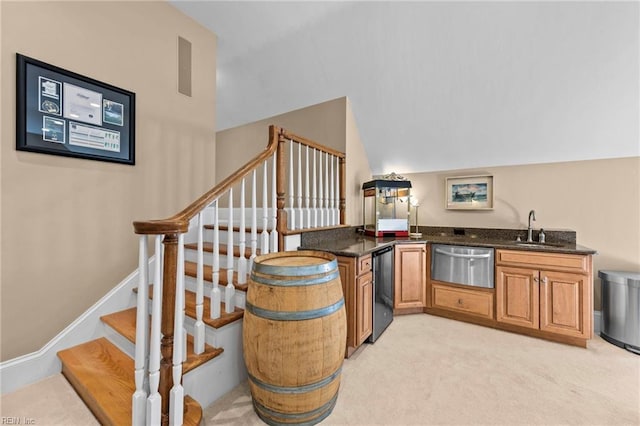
(102, 375)
(208, 247)
(191, 269)
(190, 310)
(124, 322)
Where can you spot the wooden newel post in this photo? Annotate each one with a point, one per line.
(280, 184)
(168, 314)
(343, 190)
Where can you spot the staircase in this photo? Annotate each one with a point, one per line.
(102, 370)
(190, 328)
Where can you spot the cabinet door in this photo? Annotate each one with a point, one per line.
(410, 276)
(347, 268)
(517, 296)
(364, 315)
(563, 305)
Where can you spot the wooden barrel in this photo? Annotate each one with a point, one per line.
(294, 336)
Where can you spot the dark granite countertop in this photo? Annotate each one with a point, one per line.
(356, 245)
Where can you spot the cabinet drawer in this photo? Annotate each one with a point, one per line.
(561, 261)
(473, 302)
(364, 264)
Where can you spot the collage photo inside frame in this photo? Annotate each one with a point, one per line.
(64, 113)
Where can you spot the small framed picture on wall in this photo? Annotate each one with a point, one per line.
(469, 192)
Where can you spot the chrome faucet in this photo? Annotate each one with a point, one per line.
(532, 216)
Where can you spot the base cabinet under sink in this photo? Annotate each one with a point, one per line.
(545, 291)
(541, 294)
(546, 300)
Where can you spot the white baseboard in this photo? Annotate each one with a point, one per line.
(597, 322)
(30, 368)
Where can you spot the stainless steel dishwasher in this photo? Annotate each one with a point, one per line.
(382, 291)
(464, 265)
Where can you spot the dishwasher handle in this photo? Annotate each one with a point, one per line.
(381, 251)
(466, 256)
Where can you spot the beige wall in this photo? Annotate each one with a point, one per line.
(599, 199)
(323, 123)
(67, 235)
(329, 123)
(358, 170)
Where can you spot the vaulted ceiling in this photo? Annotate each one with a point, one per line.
(438, 85)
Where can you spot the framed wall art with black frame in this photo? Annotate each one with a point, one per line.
(60, 112)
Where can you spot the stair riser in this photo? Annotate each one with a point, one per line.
(124, 344)
(217, 337)
(191, 284)
(223, 219)
(208, 236)
(192, 256)
(223, 211)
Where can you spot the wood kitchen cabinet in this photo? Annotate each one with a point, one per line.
(549, 292)
(357, 287)
(364, 307)
(463, 300)
(410, 278)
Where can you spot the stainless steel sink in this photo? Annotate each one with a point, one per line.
(536, 244)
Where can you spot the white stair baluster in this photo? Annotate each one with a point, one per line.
(327, 194)
(215, 292)
(198, 328)
(320, 192)
(264, 235)
(184, 312)
(336, 204)
(229, 291)
(154, 402)
(300, 214)
(273, 237)
(242, 261)
(331, 194)
(314, 196)
(176, 396)
(292, 210)
(139, 398)
(307, 205)
(254, 221)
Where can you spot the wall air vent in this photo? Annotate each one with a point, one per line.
(184, 66)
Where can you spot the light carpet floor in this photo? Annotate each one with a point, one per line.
(427, 370)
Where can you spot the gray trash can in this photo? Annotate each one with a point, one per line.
(621, 309)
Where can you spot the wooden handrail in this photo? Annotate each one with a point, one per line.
(179, 223)
(304, 141)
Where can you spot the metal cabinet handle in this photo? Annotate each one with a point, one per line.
(544, 280)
